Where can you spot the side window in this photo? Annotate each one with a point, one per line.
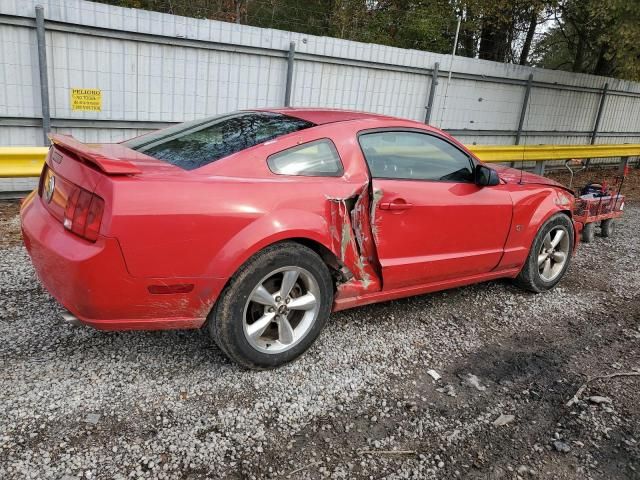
(414, 156)
(318, 158)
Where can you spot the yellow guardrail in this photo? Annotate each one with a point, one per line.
(539, 153)
(22, 161)
(27, 161)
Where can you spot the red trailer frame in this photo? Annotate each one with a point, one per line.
(602, 206)
(596, 209)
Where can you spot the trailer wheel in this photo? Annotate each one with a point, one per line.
(589, 232)
(607, 227)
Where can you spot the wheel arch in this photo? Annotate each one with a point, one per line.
(300, 226)
(531, 211)
(531, 277)
(328, 257)
(554, 210)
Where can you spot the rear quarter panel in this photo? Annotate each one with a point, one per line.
(208, 229)
(209, 221)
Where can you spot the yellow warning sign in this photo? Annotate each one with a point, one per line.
(87, 99)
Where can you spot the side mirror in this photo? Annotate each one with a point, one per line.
(485, 176)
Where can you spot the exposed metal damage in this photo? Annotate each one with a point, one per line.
(352, 236)
(377, 195)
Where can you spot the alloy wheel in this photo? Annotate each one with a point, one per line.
(553, 253)
(281, 309)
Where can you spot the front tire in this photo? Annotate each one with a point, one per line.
(549, 256)
(274, 307)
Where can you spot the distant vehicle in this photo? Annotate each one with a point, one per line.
(258, 224)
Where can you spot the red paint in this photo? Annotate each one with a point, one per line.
(164, 228)
(421, 244)
(108, 164)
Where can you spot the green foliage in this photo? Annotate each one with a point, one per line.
(596, 37)
(589, 36)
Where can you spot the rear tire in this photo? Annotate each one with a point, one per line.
(550, 255)
(607, 227)
(589, 232)
(274, 307)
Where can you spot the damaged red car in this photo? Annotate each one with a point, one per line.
(256, 225)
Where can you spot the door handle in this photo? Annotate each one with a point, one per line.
(397, 204)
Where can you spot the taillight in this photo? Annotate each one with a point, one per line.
(83, 214)
(43, 175)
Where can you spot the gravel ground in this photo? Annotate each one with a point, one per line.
(361, 403)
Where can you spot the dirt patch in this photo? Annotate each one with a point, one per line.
(10, 223)
(630, 187)
(534, 357)
(446, 428)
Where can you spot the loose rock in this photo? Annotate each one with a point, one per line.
(503, 420)
(561, 446)
(433, 374)
(475, 382)
(598, 400)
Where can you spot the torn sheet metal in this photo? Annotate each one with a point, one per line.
(377, 195)
(351, 236)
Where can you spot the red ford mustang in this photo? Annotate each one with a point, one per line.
(258, 224)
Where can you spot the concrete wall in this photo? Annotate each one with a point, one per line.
(155, 68)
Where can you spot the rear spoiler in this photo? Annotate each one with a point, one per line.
(109, 165)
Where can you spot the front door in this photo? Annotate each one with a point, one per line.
(432, 223)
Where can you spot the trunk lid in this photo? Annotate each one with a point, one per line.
(110, 158)
(73, 170)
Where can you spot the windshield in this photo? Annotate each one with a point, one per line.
(191, 145)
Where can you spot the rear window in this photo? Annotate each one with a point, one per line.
(197, 143)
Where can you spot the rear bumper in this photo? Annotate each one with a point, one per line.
(92, 282)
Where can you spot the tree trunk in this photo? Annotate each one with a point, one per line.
(578, 60)
(493, 42)
(468, 37)
(603, 66)
(468, 43)
(526, 48)
(485, 51)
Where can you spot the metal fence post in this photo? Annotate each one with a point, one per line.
(596, 127)
(624, 162)
(290, 60)
(523, 111)
(44, 80)
(603, 97)
(432, 92)
(539, 168)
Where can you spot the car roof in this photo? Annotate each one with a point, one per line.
(320, 116)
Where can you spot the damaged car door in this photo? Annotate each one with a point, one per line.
(432, 222)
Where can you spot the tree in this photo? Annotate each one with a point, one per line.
(502, 30)
(591, 36)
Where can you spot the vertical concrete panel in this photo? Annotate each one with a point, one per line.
(23, 136)
(551, 109)
(143, 82)
(18, 73)
(620, 114)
